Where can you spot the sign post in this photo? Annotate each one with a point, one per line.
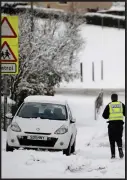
(9, 52)
(5, 102)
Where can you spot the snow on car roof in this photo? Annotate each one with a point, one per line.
(45, 99)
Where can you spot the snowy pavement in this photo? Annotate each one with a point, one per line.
(92, 157)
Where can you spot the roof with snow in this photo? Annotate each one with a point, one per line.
(117, 8)
(45, 99)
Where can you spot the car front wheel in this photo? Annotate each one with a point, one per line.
(67, 151)
(73, 146)
(9, 148)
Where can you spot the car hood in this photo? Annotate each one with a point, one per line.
(45, 125)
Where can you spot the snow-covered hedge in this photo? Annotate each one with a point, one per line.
(105, 20)
(39, 12)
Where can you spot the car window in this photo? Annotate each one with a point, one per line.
(43, 111)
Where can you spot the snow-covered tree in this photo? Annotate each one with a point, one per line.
(47, 55)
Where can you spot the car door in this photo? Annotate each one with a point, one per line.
(72, 125)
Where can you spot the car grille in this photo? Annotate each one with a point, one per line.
(26, 142)
(37, 133)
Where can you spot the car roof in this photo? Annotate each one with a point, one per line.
(45, 99)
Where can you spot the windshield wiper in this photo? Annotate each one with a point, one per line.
(43, 117)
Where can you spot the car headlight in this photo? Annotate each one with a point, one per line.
(15, 127)
(62, 130)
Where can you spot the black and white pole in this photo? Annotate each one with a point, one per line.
(5, 102)
(81, 71)
(93, 77)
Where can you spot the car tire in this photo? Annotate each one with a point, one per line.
(67, 151)
(9, 148)
(73, 146)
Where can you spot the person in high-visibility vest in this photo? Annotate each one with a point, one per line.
(115, 112)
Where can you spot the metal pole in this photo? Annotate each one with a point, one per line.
(119, 24)
(93, 71)
(95, 113)
(102, 70)
(102, 22)
(5, 102)
(81, 71)
(0, 74)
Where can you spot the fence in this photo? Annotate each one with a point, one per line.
(98, 103)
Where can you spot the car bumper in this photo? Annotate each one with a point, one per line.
(54, 142)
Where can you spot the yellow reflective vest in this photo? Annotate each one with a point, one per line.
(115, 111)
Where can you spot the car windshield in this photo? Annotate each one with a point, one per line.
(43, 111)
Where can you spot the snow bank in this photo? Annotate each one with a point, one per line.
(55, 165)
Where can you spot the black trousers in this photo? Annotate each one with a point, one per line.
(115, 133)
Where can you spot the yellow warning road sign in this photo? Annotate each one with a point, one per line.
(9, 45)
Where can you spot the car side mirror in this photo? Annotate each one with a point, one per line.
(73, 120)
(9, 116)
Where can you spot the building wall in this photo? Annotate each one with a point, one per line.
(75, 6)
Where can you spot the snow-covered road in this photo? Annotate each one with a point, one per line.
(91, 161)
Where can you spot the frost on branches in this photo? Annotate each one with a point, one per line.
(47, 55)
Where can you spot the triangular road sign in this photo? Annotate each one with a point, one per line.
(7, 30)
(6, 53)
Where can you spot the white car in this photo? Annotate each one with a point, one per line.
(43, 122)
